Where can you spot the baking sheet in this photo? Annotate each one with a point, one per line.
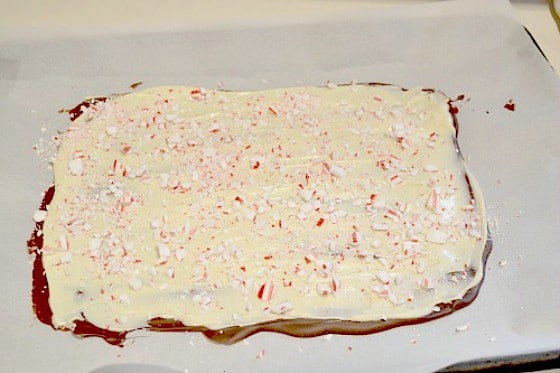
(475, 48)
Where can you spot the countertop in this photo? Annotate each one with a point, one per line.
(43, 18)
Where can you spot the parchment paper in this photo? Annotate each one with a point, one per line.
(475, 48)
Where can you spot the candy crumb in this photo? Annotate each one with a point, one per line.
(39, 216)
(462, 328)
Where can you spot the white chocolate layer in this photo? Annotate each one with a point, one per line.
(229, 209)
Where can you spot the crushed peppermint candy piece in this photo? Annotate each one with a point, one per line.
(76, 167)
(383, 276)
(437, 236)
(66, 258)
(39, 216)
(462, 328)
(94, 244)
(135, 283)
(282, 308)
(394, 179)
(379, 227)
(337, 171)
(170, 272)
(63, 243)
(475, 233)
(111, 130)
(266, 291)
(163, 180)
(324, 289)
(163, 252)
(430, 168)
(202, 299)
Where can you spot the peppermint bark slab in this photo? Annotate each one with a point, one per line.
(216, 210)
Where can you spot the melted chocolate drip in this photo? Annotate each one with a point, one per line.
(40, 291)
(510, 105)
(300, 327)
(76, 111)
(84, 328)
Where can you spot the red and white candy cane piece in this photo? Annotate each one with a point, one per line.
(63, 243)
(266, 291)
(335, 284)
(432, 201)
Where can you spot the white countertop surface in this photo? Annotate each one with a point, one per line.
(41, 18)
